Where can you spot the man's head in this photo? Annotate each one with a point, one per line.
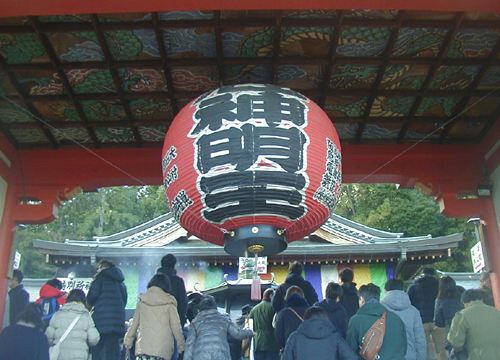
(207, 303)
(471, 295)
(245, 310)
(485, 279)
(368, 292)
(16, 279)
(168, 260)
(427, 270)
(315, 312)
(346, 275)
(268, 294)
(295, 268)
(293, 290)
(334, 291)
(55, 283)
(104, 264)
(394, 284)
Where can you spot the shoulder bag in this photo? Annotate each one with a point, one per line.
(373, 339)
(54, 349)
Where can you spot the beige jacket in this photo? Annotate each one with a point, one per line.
(156, 323)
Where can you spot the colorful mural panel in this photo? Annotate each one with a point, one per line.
(114, 134)
(57, 110)
(151, 109)
(103, 110)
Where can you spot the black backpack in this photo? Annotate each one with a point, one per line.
(49, 306)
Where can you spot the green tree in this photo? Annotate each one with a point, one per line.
(104, 212)
(390, 208)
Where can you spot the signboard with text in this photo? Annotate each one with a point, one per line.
(76, 283)
(246, 265)
(477, 257)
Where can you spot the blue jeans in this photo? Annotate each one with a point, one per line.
(267, 355)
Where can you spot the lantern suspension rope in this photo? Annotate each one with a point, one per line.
(428, 135)
(420, 141)
(76, 142)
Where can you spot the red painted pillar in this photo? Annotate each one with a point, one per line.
(493, 239)
(7, 229)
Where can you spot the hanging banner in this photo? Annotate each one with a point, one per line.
(17, 260)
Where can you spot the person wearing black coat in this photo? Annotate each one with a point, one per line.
(334, 309)
(294, 278)
(317, 339)
(25, 340)
(18, 296)
(349, 299)
(448, 303)
(177, 286)
(423, 293)
(289, 319)
(108, 296)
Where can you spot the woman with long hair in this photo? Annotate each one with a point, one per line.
(156, 323)
(25, 339)
(447, 304)
(75, 345)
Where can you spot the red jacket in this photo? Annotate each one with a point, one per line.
(50, 291)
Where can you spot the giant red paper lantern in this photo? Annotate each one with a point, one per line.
(252, 167)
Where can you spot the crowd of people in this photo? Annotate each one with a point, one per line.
(432, 316)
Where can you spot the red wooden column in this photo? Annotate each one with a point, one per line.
(493, 240)
(7, 230)
(483, 208)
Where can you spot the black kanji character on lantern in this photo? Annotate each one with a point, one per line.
(271, 106)
(234, 194)
(250, 152)
(171, 177)
(180, 203)
(243, 148)
(169, 156)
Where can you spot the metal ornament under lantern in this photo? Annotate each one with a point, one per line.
(252, 167)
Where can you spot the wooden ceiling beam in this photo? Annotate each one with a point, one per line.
(62, 75)
(431, 75)
(167, 71)
(374, 93)
(116, 78)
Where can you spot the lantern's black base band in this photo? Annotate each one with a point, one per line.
(273, 240)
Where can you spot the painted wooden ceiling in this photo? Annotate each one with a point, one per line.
(118, 80)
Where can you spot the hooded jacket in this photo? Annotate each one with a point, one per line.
(394, 345)
(108, 297)
(207, 338)
(156, 323)
(350, 299)
(398, 302)
(23, 342)
(294, 279)
(317, 339)
(47, 291)
(287, 321)
(177, 290)
(336, 314)
(84, 333)
(423, 293)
